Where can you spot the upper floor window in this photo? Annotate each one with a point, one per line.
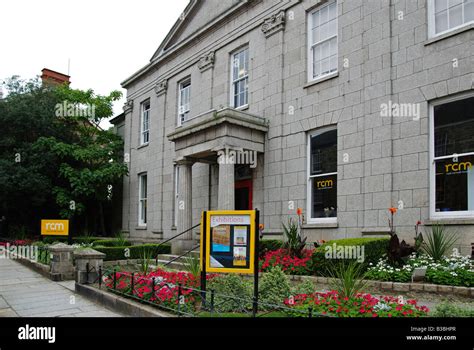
(452, 172)
(145, 123)
(322, 175)
(446, 15)
(240, 78)
(322, 46)
(184, 100)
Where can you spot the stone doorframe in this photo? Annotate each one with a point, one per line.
(202, 139)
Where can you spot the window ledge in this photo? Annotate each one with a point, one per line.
(320, 80)
(320, 225)
(449, 34)
(143, 146)
(140, 228)
(243, 108)
(449, 221)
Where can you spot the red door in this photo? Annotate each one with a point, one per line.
(243, 195)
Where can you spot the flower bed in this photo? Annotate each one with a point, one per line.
(289, 264)
(361, 305)
(454, 270)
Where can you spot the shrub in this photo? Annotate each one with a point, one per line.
(289, 264)
(294, 242)
(232, 293)
(110, 243)
(273, 288)
(374, 250)
(447, 309)
(305, 287)
(135, 252)
(438, 242)
(348, 279)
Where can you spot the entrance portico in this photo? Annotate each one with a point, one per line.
(226, 137)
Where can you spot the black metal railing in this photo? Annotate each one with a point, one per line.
(174, 237)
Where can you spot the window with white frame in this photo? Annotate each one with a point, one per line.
(452, 153)
(176, 195)
(322, 45)
(184, 99)
(240, 78)
(142, 199)
(145, 123)
(446, 15)
(322, 175)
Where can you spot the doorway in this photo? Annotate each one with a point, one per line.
(243, 195)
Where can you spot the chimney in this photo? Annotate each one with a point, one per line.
(51, 78)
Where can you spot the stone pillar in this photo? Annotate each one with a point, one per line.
(62, 267)
(184, 207)
(226, 187)
(84, 258)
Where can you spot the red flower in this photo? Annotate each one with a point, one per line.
(299, 211)
(393, 210)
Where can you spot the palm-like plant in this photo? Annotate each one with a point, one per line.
(348, 279)
(294, 242)
(438, 242)
(146, 255)
(120, 240)
(193, 266)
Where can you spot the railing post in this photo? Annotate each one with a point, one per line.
(152, 287)
(310, 312)
(179, 299)
(132, 283)
(212, 301)
(115, 279)
(100, 277)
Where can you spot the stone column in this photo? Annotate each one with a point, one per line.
(84, 257)
(62, 267)
(184, 207)
(226, 187)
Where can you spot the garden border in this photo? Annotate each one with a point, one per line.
(118, 303)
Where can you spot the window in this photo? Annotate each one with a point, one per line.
(142, 199)
(145, 123)
(322, 176)
(176, 195)
(240, 78)
(322, 36)
(452, 151)
(446, 15)
(184, 101)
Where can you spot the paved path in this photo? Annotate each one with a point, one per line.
(26, 293)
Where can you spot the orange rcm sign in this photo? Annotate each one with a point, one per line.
(54, 227)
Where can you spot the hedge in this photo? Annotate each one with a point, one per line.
(113, 242)
(374, 250)
(75, 240)
(135, 252)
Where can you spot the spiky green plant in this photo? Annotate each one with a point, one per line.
(146, 256)
(294, 242)
(348, 278)
(439, 241)
(193, 266)
(120, 239)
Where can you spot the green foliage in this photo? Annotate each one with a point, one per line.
(459, 277)
(348, 279)
(232, 293)
(439, 241)
(111, 243)
(374, 249)
(294, 242)
(267, 245)
(121, 239)
(193, 266)
(274, 287)
(305, 287)
(146, 255)
(119, 253)
(448, 309)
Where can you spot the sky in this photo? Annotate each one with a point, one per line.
(105, 41)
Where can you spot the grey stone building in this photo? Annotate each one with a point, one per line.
(343, 108)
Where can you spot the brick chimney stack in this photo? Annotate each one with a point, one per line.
(50, 77)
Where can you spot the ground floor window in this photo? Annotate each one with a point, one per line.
(452, 150)
(142, 199)
(322, 175)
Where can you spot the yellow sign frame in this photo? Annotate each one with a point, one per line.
(47, 231)
(206, 259)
